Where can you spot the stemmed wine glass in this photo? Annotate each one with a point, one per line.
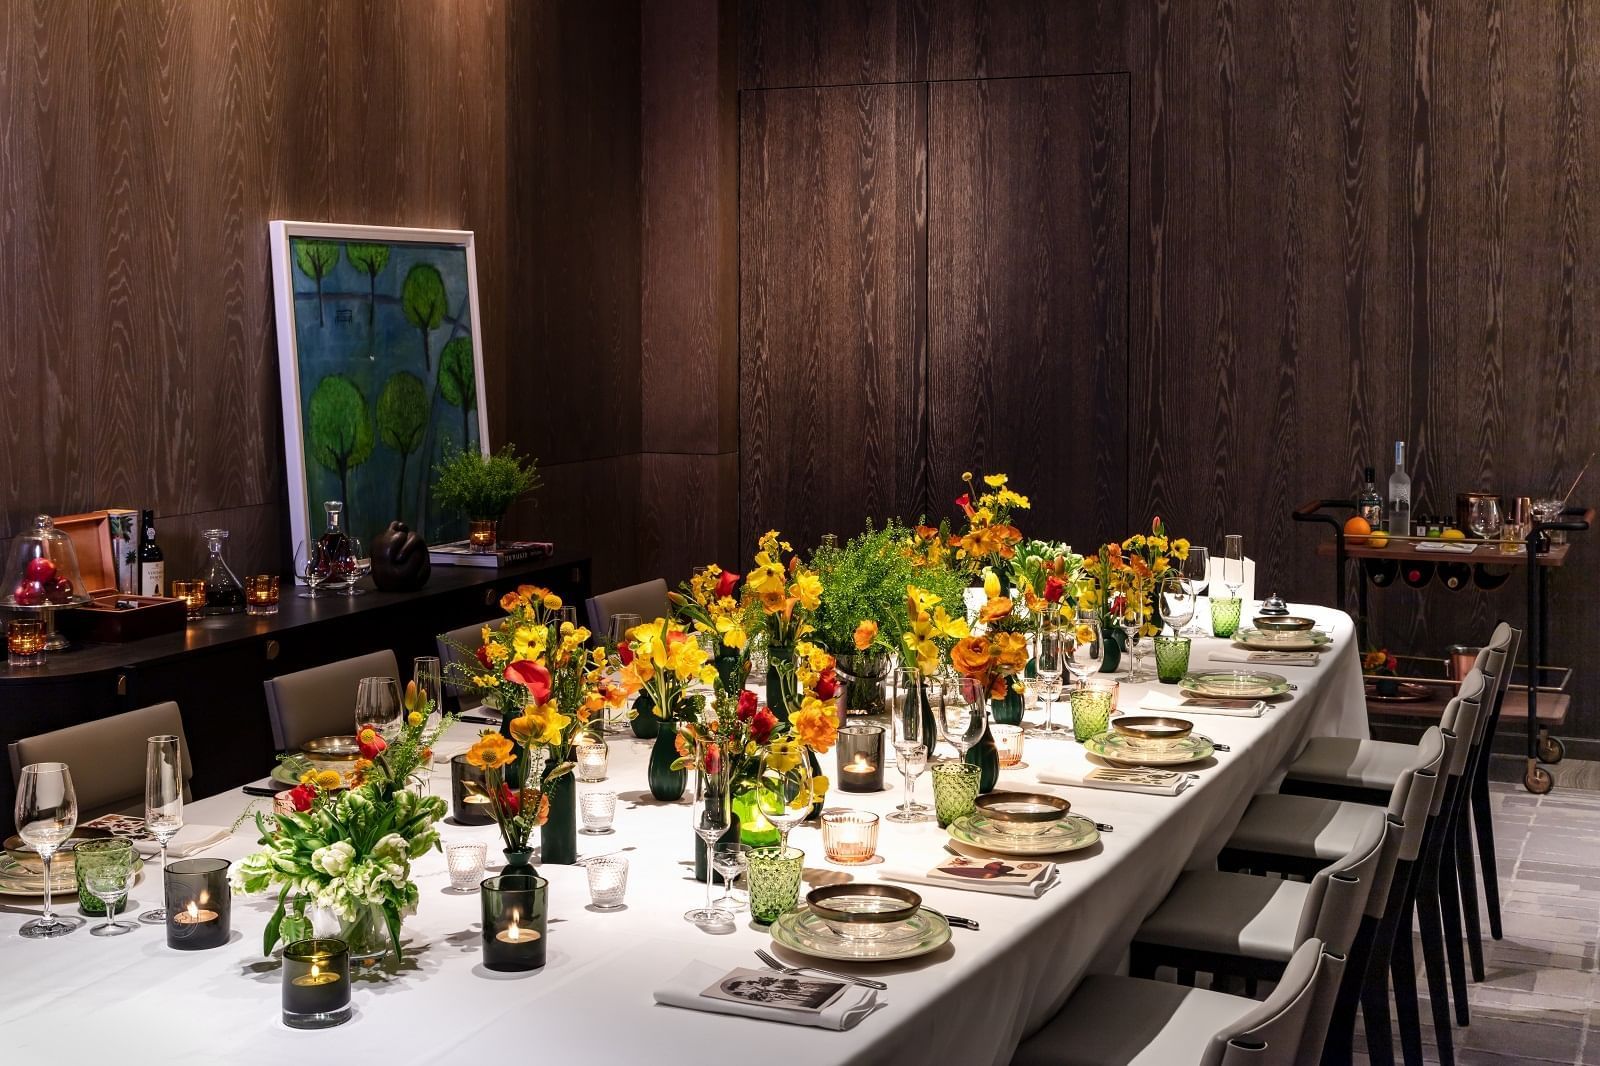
(1177, 601)
(1233, 563)
(730, 860)
(378, 705)
(47, 813)
(783, 786)
(1050, 661)
(1132, 621)
(357, 565)
(910, 743)
(311, 563)
(1086, 652)
(1196, 571)
(163, 803)
(709, 814)
(1484, 518)
(963, 713)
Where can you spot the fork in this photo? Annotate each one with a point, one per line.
(773, 963)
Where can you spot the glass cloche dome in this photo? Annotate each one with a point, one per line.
(43, 570)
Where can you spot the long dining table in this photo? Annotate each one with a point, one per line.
(131, 999)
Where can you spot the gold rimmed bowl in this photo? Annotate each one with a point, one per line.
(1284, 623)
(864, 910)
(331, 753)
(1021, 814)
(1151, 728)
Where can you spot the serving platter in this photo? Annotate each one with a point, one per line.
(1234, 684)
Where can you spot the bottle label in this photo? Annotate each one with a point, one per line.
(152, 578)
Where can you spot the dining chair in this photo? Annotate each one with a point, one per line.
(648, 600)
(1133, 1021)
(1482, 817)
(107, 757)
(321, 701)
(450, 647)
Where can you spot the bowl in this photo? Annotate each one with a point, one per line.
(1284, 623)
(1022, 813)
(1152, 728)
(863, 910)
(330, 752)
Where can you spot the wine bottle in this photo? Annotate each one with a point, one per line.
(152, 565)
(1416, 574)
(1381, 572)
(1369, 505)
(1400, 493)
(1490, 577)
(1456, 576)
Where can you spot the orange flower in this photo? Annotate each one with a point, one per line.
(994, 610)
(866, 633)
(971, 656)
(816, 725)
(490, 752)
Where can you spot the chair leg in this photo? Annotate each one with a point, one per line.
(1467, 881)
(1433, 960)
(1338, 1047)
(1403, 975)
(1450, 930)
(1483, 823)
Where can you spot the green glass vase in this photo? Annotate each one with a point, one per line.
(558, 837)
(754, 829)
(732, 667)
(1007, 710)
(645, 723)
(781, 682)
(666, 783)
(986, 758)
(1112, 641)
(519, 861)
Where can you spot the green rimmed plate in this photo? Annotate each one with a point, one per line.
(1234, 684)
(1125, 751)
(1260, 640)
(803, 931)
(1071, 833)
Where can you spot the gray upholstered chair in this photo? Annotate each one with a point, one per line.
(647, 600)
(107, 757)
(450, 645)
(321, 701)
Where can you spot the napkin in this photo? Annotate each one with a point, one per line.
(1032, 890)
(1079, 778)
(190, 840)
(443, 753)
(852, 1005)
(1455, 547)
(1164, 704)
(1282, 658)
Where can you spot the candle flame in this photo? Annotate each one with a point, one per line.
(316, 971)
(515, 932)
(194, 912)
(859, 765)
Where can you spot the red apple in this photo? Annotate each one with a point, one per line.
(58, 590)
(41, 569)
(29, 593)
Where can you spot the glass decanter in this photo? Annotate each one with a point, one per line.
(337, 559)
(224, 594)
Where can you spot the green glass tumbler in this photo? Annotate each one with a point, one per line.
(1225, 615)
(955, 790)
(1091, 712)
(1172, 659)
(114, 854)
(774, 880)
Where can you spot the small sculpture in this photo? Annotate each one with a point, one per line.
(400, 560)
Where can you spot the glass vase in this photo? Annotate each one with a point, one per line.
(864, 674)
(367, 934)
(644, 722)
(1008, 709)
(558, 837)
(666, 783)
(986, 757)
(519, 861)
(781, 680)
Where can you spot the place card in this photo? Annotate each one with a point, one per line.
(994, 871)
(768, 988)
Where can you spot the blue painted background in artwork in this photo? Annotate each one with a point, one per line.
(361, 333)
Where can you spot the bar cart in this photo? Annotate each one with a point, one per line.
(1537, 554)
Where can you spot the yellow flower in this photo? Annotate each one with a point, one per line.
(819, 786)
(490, 752)
(328, 780)
(552, 602)
(783, 756)
(415, 718)
(816, 725)
(994, 481)
(991, 583)
(309, 778)
(539, 725)
(807, 588)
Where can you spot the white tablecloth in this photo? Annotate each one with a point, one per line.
(134, 1000)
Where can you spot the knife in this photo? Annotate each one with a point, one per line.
(477, 719)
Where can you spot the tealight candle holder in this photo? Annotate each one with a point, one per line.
(1105, 684)
(591, 760)
(465, 863)
(469, 794)
(261, 594)
(597, 809)
(198, 903)
(1007, 744)
(25, 639)
(608, 881)
(860, 750)
(514, 922)
(193, 595)
(316, 984)
(849, 837)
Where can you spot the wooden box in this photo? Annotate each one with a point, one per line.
(103, 622)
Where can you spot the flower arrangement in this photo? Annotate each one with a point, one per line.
(816, 723)
(990, 539)
(999, 654)
(739, 729)
(1379, 663)
(786, 592)
(1122, 576)
(931, 631)
(349, 849)
(1044, 574)
(663, 660)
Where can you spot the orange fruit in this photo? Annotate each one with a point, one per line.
(1356, 530)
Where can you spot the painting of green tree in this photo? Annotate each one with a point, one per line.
(386, 361)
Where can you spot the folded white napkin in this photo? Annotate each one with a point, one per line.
(443, 753)
(1163, 704)
(1282, 658)
(1455, 547)
(1032, 890)
(1079, 777)
(853, 1004)
(190, 840)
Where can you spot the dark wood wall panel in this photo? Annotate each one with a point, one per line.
(1027, 294)
(830, 314)
(831, 42)
(1025, 38)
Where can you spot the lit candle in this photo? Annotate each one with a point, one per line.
(193, 915)
(592, 761)
(516, 934)
(25, 641)
(316, 984)
(317, 976)
(860, 765)
(198, 903)
(861, 758)
(514, 922)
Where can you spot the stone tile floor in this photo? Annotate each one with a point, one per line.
(1540, 999)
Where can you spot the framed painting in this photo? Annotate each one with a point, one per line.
(380, 370)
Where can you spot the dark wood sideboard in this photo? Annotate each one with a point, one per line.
(214, 668)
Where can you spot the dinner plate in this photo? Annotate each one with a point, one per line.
(1118, 749)
(1258, 640)
(803, 931)
(1235, 684)
(1069, 834)
(18, 880)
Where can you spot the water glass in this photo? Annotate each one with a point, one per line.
(955, 790)
(1091, 713)
(730, 860)
(428, 675)
(774, 882)
(105, 870)
(1172, 659)
(465, 862)
(608, 881)
(1007, 744)
(1176, 599)
(597, 810)
(1225, 615)
(849, 837)
(1051, 662)
(1196, 569)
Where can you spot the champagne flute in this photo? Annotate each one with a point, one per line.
(1177, 601)
(1233, 563)
(910, 744)
(783, 786)
(616, 636)
(963, 713)
(1051, 661)
(1197, 576)
(1131, 619)
(163, 803)
(1086, 651)
(428, 676)
(378, 705)
(709, 814)
(47, 813)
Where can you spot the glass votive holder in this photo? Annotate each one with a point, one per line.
(112, 854)
(193, 595)
(1106, 684)
(860, 753)
(1007, 744)
(597, 809)
(774, 875)
(514, 922)
(316, 984)
(1091, 713)
(849, 837)
(25, 639)
(955, 788)
(590, 758)
(1172, 659)
(261, 594)
(608, 881)
(198, 903)
(465, 863)
(469, 794)
(1225, 615)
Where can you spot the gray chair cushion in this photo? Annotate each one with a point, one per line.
(1124, 1021)
(1374, 764)
(107, 757)
(1301, 826)
(321, 701)
(648, 600)
(467, 636)
(1229, 914)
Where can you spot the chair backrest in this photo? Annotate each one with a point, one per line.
(107, 757)
(1427, 784)
(1333, 914)
(1504, 643)
(647, 600)
(321, 701)
(1461, 729)
(1270, 1034)
(449, 653)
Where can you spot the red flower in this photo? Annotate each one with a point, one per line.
(1054, 587)
(370, 743)
(727, 583)
(713, 759)
(827, 686)
(964, 502)
(510, 801)
(483, 657)
(762, 725)
(531, 676)
(301, 796)
(747, 705)
(625, 653)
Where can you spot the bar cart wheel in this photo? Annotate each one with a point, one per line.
(1538, 780)
(1551, 750)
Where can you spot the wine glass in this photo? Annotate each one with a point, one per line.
(107, 868)
(910, 742)
(963, 713)
(428, 676)
(1086, 651)
(1484, 517)
(1233, 563)
(709, 814)
(163, 803)
(783, 786)
(1196, 570)
(1051, 661)
(311, 563)
(730, 860)
(47, 813)
(378, 705)
(1177, 601)
(1131, 619)
(357, 565)
(617, 630)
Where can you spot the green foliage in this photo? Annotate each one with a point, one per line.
(866, 578)
(422, 299)
(457, 383)
(340, 430)
(316, 259)
(484, 486)
(403, 421)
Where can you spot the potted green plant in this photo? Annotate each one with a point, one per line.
(483, 488)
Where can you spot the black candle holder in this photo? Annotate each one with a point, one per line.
(860, 750)
(316, 984)
(514, 921)
(469, 805)
(199, 904)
